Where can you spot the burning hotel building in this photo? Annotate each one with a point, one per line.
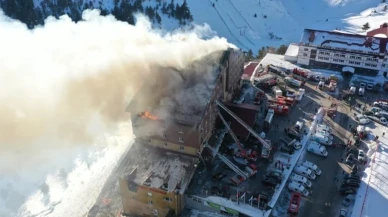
(173, 117)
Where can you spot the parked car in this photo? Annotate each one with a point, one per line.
(361, 155)
(350, 176)
(219, 176)
(348, 200)
(351, 183)
(287, 149)
(343, 212)
(269, 181)
(347, 190)
(368, 113)
(359, 117)
(274, 175)
(350, 160)
(364, 121)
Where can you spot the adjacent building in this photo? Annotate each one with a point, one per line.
(167, 158)
(367, 54)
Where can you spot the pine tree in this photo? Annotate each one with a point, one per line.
(249, 55)
(281, 50)
(158, 18)
(365, 26)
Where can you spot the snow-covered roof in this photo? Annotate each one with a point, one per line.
(292, 50)
(278, 61)
(154, 167)
(349, 41)
(249, 70)
(348, 69)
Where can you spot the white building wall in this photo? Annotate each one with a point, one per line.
(348, 59)
(304, 55)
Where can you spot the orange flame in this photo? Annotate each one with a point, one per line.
(148, 115)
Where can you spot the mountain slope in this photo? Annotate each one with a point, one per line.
(276, 22)
(249, 24)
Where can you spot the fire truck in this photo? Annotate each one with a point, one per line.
(267, 146)
(301, 72)
(293, 208)
(289, 100)
(279, 109)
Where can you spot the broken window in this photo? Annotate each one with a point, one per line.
(167, 199)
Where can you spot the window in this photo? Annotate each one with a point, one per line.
(352, 57)
(305, 54)
(180, 130)
(180, 139)
(149, 140)
(383, 65)
(306, 49)
(165, 144)
(133, 197)
(150, 202)
(167, 199)
(182, 148)
(164, 136)
(358, 58)
(149, 194)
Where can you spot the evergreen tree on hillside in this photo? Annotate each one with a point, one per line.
(249, 55)
(30, 14)
(158, 18)
(365, 26)
(281, 50)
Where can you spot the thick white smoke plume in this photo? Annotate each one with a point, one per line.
(59, 78)
(65, 83)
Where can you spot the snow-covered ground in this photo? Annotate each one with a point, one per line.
(372, 196)
(251, 24)
(286, 19)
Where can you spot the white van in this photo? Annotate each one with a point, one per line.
(299, 126)
(323, 127)
(317, 149)
(312, 167)
(322, 131)
(304, 171)
(300, 179)
(361, 91)
(324, 134)
(352, 90)
(322, 139)
(296, 187)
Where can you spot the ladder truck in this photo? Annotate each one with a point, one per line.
(241, 175)
(242, 153)
(266, 150)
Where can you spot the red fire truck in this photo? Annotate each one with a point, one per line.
(293, 208)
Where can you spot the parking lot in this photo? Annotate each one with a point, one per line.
(325, 198)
